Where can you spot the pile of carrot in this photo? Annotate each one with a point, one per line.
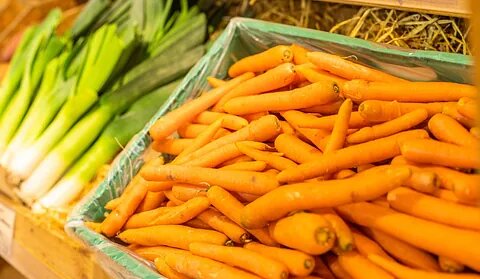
(308, 165)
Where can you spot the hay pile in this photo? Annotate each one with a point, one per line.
(393, 27)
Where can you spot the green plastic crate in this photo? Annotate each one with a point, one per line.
(243, 37)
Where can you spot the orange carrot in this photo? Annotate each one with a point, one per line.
(339, 131)
(112, 204)
(365, 167)
(475, 131)
(351, 156)
(151, 201)
(434, 209)
(215, 82)
(342, 231)
(322, 270)
(404, 252)
(449, 195)
(297, 263)
(430, 236)
(435, 152)
(171, 146)
(262, 61)
(402, 123)
(151, 253)
(232, 208)
(198, 224)
(314, 94)
(185, 192)
(191, 131)
(336, 268)
(243, 258)
(344, 174)
(307, 232)
(366, 246)
(244, 197)
(275, 78)
(254, 116)
(299, 54)
(247, 166)
(238, 159)
(315, 136)
(170, 204)
(453, 112)
(234, 180)
(287, 128)
(313, 75)
(423, 92)
(468, 107)
(169, 123)
(274, 161)
(359, 266)
(202, 139)
(296, 149)
(346, 69)
(447, 129)
(326, 109)
(379, 111)
(465, 186)
(167, 271)
(403, 272)
(221, 223)
(232, 122)
(302, 196)
(449, 265)
(327, 122)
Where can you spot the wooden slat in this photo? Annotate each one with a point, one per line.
(458, 8)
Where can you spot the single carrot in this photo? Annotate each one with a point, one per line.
(402, 123)
(234, 180)
(185, 192)
(198, 224)
(273, 79)
(447, 129)
(359, 266)
(254, 116)
(364, 167)
(262, 61)
(366, 246)
(243, 258)
(247, 166)
(403, 272)
(326, 109)
(302, 196)
(112, 204)
(227, 204)
(151, 201)
(167, 271)
(171, 146)
(296, 149)
(339, 131)
(423, 92)
(449, 265)
(347, 69)
(232, 122)
(351, 156)
(336, 268)
(401, 160)
(169, 215)
(309, 72)
(314, 94)
(244, 197)
(297, 263)
(287, 128)
(277, 162)
(380, 111)
(299, 54)
(304, 120)
(307, 232)
(465, 186)
(344, 174)
(404, 252)
(440, 153)
(170, 204)
(314, 136)
(475, 131)
(192, 131)
(322, 270)
(172, 198)
(468, 107)
(154, 252)
(449, 195)
(342, 231)
(96, 227)
(171, 235)
(202, 139)
(169, 123)
(452, 111)
(430, 236)
(434, 209)
(221, 223)
(215, 82)
(238, 159)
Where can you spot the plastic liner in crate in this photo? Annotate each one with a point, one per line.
(243, 37)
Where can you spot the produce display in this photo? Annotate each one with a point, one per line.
(306, 164)
(69, 103)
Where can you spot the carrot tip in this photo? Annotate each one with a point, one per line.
(324, 235)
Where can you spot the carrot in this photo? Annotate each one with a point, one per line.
(351, 156)
(112, 204)
(434, 209)
(260, 130)
(307, 232)
(418, 91)
(344, 174)
(440, 153)
(404, 252)
(366, 246)
(232, 122)
(202, 139)
(247, 166)
(465, 186)
(453, 112)
(169, 216)
(243, 258)
(275, 78)
(96, 227)
(227, 204)
(192, 131)
(167, 271)
(221, 223)
(346, 69)
(151, 201)
(401, 160)
(449, 195)
(430, 236)
(297, 263)
(309, 72)
(322, 270)
(254, 116)
(380, 111)
(299, 54)
(339, 131)
(314, 94)
(185, 192)
(302, 196)
(468, 107)
(402, 123)
(403, 272)
(152, 253)
(215, 82)
(296, 149)
(238, 159)
(447, 129)
(449, 265)
(326, 109)
(171, 235)
(171, 146)
(169, 123)
(287, 128)
(304, 120)
(475, 131)
(359, 266)
(234, 180)
(277, 162)
(247, 198)
(315, 136)
(129, 203)
(342, 231)
(262, 61)
(198, 224)
(336, 268)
